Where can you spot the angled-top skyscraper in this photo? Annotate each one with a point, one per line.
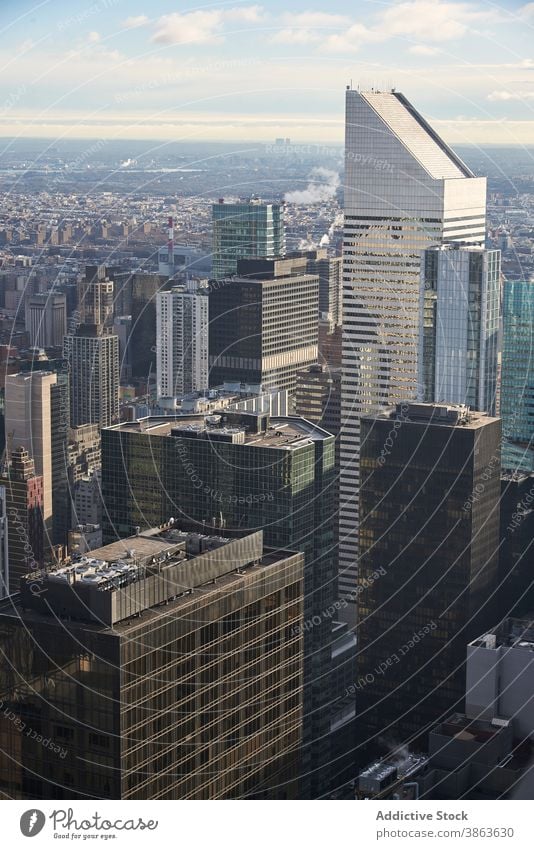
(405, 190)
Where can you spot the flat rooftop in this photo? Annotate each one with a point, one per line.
(287, 432)
(512, 633)
(446, 415)
(130, 576)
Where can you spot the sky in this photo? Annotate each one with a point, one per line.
(232, 71)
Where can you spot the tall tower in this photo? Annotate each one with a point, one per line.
(458, 349)
(46, 319)
(405, 190)
(247, 229)
(517, 376)
(29, 421)
(93, 354)
(182, 318)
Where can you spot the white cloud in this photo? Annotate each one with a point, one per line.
(93, 37)
(135, 21)
(424, 20)
(527, 11)
(201, 27)
(351, 39)
(313, 28)
(431, 20)
(503, 95)
(423, 50)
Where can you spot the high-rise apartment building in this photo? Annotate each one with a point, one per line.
(405, 191)
(460, 303)
(182, 319)
(94, 374)
(264, 324)
(429, 547)
(241, 471)
(517, 376)
(165, 666)
(46, 319)
(247, 229)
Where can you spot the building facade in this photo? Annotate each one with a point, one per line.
(429, 541)
(172, 669)
(241, 471)
(459, 344)
(182, 318)
(517, 376)
(249, 229)
(46, 319)
(405, 191)
(264, 324)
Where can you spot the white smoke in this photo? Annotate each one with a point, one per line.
(322, 187)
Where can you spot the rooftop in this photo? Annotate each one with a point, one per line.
(260, 430)
(512, 633)
(134, 575)
(448, 415)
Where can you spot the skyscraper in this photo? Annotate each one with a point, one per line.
(405, 190)
(94, 374)
(182, 318)
(46, 319)
(21, 492)
(460, 300)
(329, 270)
(246, 229)
(93, 354)
(28, 410)
(517, 376)
(165, 666)
(241, 471)
(264, 323)
(429, 543)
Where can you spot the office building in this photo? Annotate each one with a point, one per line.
(460, 305)
(165, 666)
(142, 338)
(263, 324)
(429, 541)
(246, 229)
(29, 424)
(516, 550)
(21, 494)
(182, 318)
(46, 319)
(318, 396)
(4, 553)
(241, 471)
(405, 190)
(329, 270)
(499, 680)
(517, 376)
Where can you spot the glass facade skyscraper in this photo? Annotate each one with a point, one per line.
(460, 302)
(246, 229)
(517, 376)
(241, 471)
(405, 190)
(429, 543)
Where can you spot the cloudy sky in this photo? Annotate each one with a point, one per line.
(246, 71)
